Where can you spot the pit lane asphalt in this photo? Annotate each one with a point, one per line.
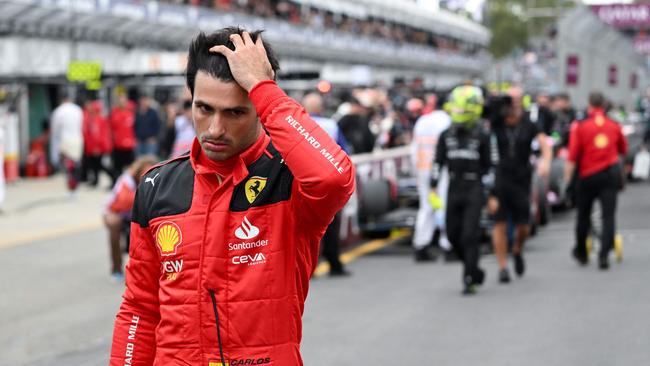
(57, 305)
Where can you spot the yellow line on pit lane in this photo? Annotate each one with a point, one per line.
(363, 249)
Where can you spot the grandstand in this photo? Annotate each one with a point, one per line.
(143, 43)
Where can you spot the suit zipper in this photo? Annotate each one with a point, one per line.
(213, 296)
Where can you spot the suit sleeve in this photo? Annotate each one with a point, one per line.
(134, 340)
(323, 171)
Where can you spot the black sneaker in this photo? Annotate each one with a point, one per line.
(472, 282)
(423, 255)
(603, 263)
(520, 265)
(470, 289)
(582, 259)
(504, 276)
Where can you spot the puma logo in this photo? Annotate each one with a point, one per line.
(151, 180)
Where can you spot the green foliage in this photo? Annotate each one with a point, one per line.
(508, 29)
(511, 22)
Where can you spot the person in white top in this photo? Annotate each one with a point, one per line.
(184, 131)
(426, 131)
(67, 139)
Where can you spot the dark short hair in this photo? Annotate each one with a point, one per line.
(200, 57)
(596, 99)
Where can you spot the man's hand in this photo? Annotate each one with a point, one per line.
(248, 63)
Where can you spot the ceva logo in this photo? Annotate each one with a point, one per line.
(168, 238)
(251, 260)
(247, 230)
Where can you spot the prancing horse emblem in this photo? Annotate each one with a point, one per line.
(254, 186)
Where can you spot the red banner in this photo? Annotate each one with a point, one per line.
(625, 16)
(572, 69)
(612, 75)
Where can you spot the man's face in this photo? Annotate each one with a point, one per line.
(225, 120)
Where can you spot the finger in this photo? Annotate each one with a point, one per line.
(259, 43)
(247, 38)
(236, 40)
(222, 50)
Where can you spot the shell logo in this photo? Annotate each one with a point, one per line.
(601, 141)
(168, 238)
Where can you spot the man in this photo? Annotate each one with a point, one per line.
(147, 127)
(313, 104)
(183, 131)
(355, 126)
(122, 120)
(514, 137)
(218, 273)
(425, 138)
(595, 145)
(117, 211)
(464, 149)
(67, 140)
(564, 115)
(97, 141)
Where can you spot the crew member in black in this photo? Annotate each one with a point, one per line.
(514, 134)
(464, 149)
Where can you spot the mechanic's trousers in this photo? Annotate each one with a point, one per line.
(604, 186)
(428, 219)
(464, 205)
(330, 244)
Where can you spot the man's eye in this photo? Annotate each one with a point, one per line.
(205, 109)
(236, 113)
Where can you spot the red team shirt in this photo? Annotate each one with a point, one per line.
(596, 143)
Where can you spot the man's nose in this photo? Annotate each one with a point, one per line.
(216, 128)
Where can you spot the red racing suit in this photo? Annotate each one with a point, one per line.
(222, 252)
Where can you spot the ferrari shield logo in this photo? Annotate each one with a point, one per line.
(254, 187)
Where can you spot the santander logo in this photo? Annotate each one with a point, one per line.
(247, 230)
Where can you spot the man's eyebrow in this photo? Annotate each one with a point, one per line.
(199, 102)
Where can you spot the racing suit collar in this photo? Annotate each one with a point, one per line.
(236, 166)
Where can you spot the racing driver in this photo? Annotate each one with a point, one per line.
(225, 237)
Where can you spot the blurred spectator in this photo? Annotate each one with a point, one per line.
(36, 164)
(313, 104)
(122, 122)
(117, 214)
(355, 128)
(541, 114)
(147, 127)
(97, 141)
(564, 115)
(184, 131)
(307, 15)
(168, 136)
(426, 132)
(67, 140)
